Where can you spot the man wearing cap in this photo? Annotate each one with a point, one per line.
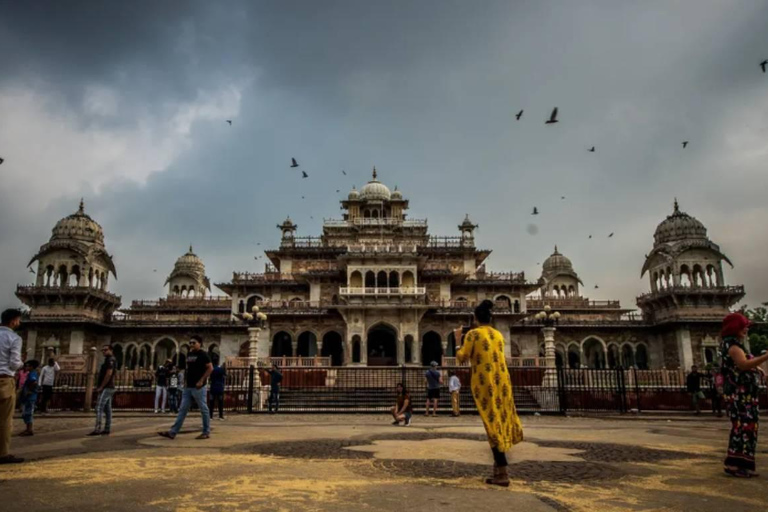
(434, 380)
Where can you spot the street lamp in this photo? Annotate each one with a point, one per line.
(548, 319)
(256, 321)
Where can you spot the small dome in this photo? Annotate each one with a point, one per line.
(374, 190)
(353, 194)
(557, 262)
(679, 226)
(78, 226)
(189, 261)
(396, 195)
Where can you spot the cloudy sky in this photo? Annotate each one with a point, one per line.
(124, 104)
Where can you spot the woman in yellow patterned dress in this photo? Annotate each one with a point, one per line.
(492, 389)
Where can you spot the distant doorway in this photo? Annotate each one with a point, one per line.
(333, 348)
(431, 348)
(382, 346)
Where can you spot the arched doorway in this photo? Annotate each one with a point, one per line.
(641, 357)
(574, 357)
(281, 345)
(333, 348)
(164, 349)
(356, 358)
(307, 344)
(594, 353)
(613, 356)
(408, 345)
(431, 348)
(382, 345)
(627, 356)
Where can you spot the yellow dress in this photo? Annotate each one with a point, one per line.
(492, 387)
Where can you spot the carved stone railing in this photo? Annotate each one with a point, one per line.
(282, 362)
(416, 290)
(512, 362)
(580, 303)
(183, 302)
(698, 290)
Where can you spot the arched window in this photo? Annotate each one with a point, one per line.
(685, 276)
(594, 353)
(408, 341)
(63, 276)
(355, 348)
(307, 344)
(381, 279)
(253, 300)
(74, 278)
(517, 306)
(641, 357)
(356, 279)
(408, 279)
(503, 302)
(627, 356)
(571, 291)
(574, 357)
(281, 345)
(375, 214)
(613, 356)
(370, 279)
(394, 279)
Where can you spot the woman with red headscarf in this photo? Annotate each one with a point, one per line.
(741, 376)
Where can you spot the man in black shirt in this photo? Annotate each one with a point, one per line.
(199, 367)
(275, 378)
(106, 389)
(161, 385)
(693, 383)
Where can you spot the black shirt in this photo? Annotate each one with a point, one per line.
(196, 363)
(161, 376)
(108, 364)
(275, 377)
(693, 382)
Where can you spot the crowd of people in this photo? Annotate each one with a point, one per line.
(202, 382)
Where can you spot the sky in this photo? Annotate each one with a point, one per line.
(125, 105)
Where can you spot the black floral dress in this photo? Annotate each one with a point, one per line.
(740, 390)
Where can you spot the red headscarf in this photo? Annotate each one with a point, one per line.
(733, 324)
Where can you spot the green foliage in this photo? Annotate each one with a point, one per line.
(758, 334)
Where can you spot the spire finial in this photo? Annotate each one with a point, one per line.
(556, 249)
(82, 206)
(190, 248)
(677, 208)
(374, 173)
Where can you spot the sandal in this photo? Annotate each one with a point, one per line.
(738, 473)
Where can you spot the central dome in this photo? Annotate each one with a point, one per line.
(374, 190)
(679, 226)
(557, 262)
(78, 226)
(189, 261)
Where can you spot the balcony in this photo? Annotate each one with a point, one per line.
(412, 291)
(572, 303)
(386, 221)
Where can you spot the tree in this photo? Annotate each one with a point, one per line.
(758, 332)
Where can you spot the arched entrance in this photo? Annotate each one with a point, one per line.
(356, 349)
(281, 345)
(382, 345)
(594, 353)
(307, 346)
(165, 349)
(333, 348)
(431, 348)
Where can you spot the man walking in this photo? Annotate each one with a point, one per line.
(199, 368)
(454, 386)
(161, 385)
(434, 380)
(106, 391)
(693, 383)
(47, 380)
(275, 378)
(218, 380)
(10, 361)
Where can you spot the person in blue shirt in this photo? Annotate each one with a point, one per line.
(218, 381)
(29, 396)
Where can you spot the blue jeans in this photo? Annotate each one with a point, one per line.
(104, 407)
(28, 409)
(274, 397)
(198, 395)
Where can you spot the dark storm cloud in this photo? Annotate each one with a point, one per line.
(426, 91)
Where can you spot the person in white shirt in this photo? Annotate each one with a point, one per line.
(454, 386)
(47, 380)
(10, 361)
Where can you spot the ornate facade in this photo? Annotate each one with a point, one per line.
(375, 288)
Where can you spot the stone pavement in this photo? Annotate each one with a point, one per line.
(360, 462)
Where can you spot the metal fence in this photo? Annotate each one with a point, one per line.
(331, 389)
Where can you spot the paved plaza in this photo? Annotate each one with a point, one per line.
(361, 462)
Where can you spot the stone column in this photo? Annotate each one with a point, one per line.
(550, 374)
(401, 351)
(364, 351)
(253, 345)
(294, 347)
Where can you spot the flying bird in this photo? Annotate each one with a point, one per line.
(230, 122)
(590, 236)
(32, 271)
(1, 160)
(764, 64)
(685, 143)
(304, 174)
(592, 149)
(562, 197)
(519, 115)
(553, 117)
(343, 172)
(294, 163)
(610, 236)
(302, 197)
(258, 243)
(535, 211)
(596, 287)
(154, 270)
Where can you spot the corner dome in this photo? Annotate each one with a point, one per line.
(557, 262)
(78, 226)
(353, 194)
(374, 190)
(679, 226)
(396, 195)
